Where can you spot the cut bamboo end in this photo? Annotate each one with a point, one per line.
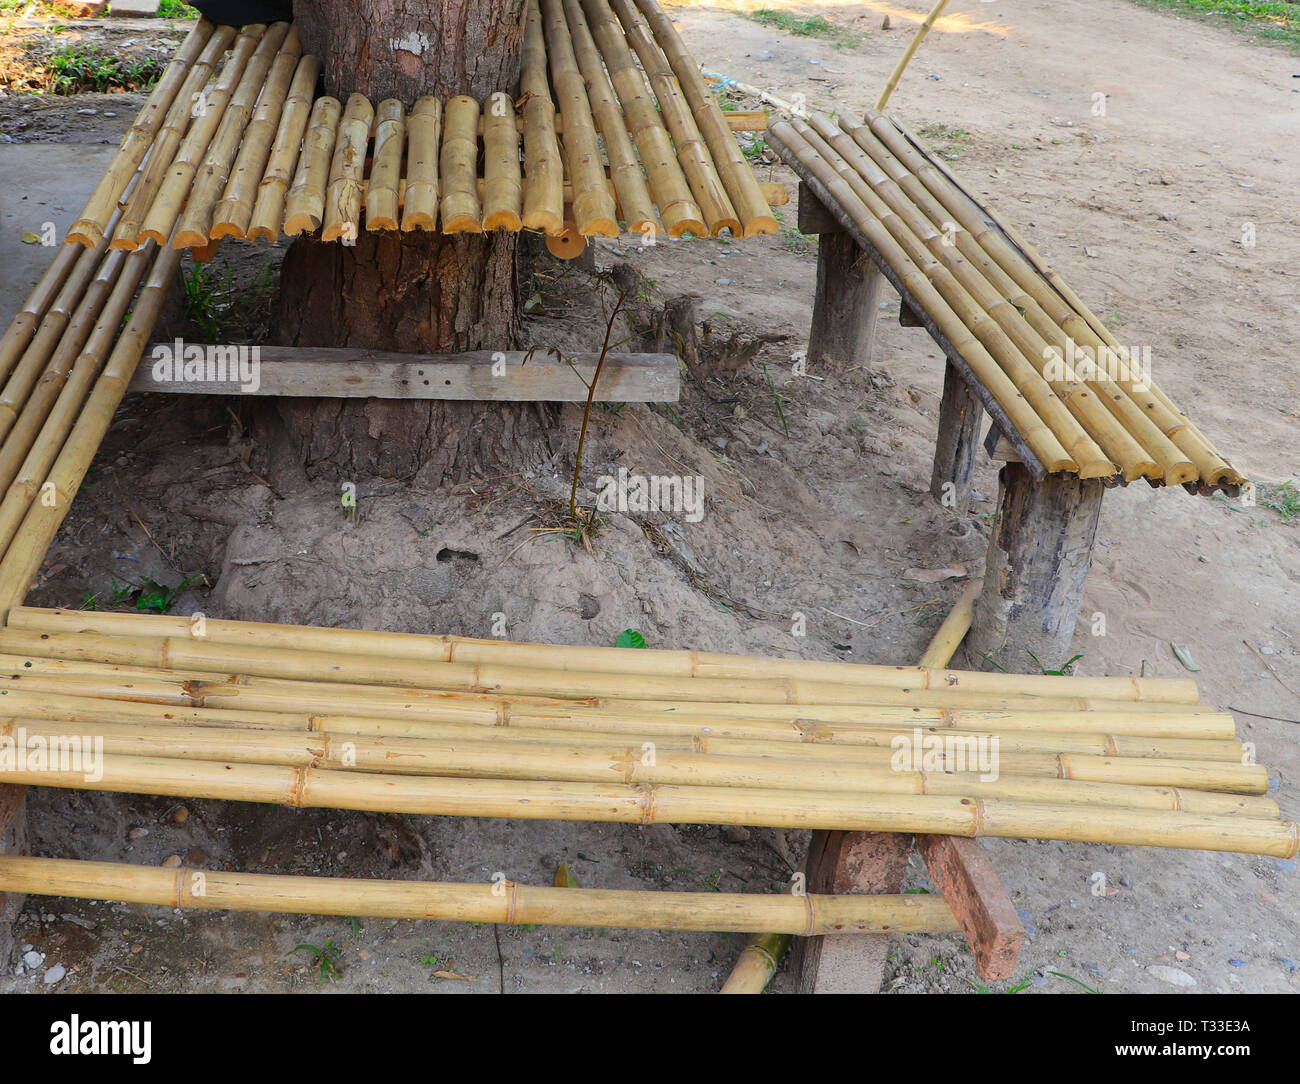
(568, 244)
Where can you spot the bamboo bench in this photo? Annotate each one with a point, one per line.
(1072, 413)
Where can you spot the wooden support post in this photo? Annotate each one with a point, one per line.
(1039, 556)
(13, 840)
(960, 414)
(850, 862)
(849, 287)
(962, 870)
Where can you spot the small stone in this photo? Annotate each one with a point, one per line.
(1168, 216)
(1093, 969)
(172, 861)
(181, 815)
(197, 856)
(110, 114)
(1026, 920)
(1172, 975)
(87, 112)
(1268, 897)
(736, 834)
(1181, 955)
(55, 974)
(136, 949)
(137, 833)
(33, 959)
(1038, 980)
(1124, 881)
(723, 282)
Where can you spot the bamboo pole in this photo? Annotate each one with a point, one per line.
(1030, 405)
(458, 167)
(503, 185)
(190, 102)
(692, 152)
(92, 226)
(505, 903)
(305, 205)
(1068, 407)
(1019, 259)
(384, 190)
(342, 219)
(1065, 780)
(633, 193)
(751, 207)
(543, 164)
(758, 962)
(652, 803)
(434, 648)
(30, 446)
(179, 179)
(913, 46)
(672, 192)
(279, 41)
(23, 558)
(23, 327)
(424, 132)
(593, 206)
(952, 632)
(268, 212)
(234, 211)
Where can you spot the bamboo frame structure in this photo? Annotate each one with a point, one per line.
(424, 135)
(503, 184)
(23, 327)
(304, 206)
(503, 903)
(92, 225)
(544, 165)
(462, 211)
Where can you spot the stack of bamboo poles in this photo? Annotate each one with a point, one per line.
(1010, 318)
(238, 149)
(441, 725)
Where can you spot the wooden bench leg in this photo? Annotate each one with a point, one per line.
(962, 870)
(954, 456)
(850, 862)
(13, 840)
(849, 288)
(1039, 556)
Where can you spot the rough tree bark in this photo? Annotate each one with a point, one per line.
(417, 292)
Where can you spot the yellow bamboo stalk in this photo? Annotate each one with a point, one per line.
(680, 213)
(191, 101)
(503, 185)
(504, 903)
(1025, 403)
(650, 804)
(593, 206)
(424, 132)
(234, 211)
(383, 193)
(458, 167)
(699, 664)
(543, 164)
(637, 208)
(949, 635)
(342, 219)
(193, 230)
(692, 151)
(23, 326)
(179, 179)
(751, 206)
(92, 226)
(23, 558)
(757, 963)
(913, 46)
(305, 205)
(268, 212)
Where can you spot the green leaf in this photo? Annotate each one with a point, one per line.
(630, 638)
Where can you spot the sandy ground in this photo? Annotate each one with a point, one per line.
(1143, 209)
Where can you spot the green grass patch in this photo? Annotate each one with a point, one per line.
(1270, 20)
(79, 69)
(815, 26)
(175, 9)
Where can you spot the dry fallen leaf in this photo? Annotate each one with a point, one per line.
(454, 975)
(934, 575)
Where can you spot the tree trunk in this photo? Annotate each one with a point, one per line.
(415, 292)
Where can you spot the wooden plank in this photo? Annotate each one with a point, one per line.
(851, 862)
(847, 303)
(513, 376)
(814, 218)
(13, 840)
(1031, 461)
(960, 415)
(962, 870)
(907, 316)
(1039, 555)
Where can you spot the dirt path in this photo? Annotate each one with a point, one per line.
(1200, 128)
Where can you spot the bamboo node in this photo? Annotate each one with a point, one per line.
(298, 788)
(512, 902)
(810, 908)
(646, 794)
